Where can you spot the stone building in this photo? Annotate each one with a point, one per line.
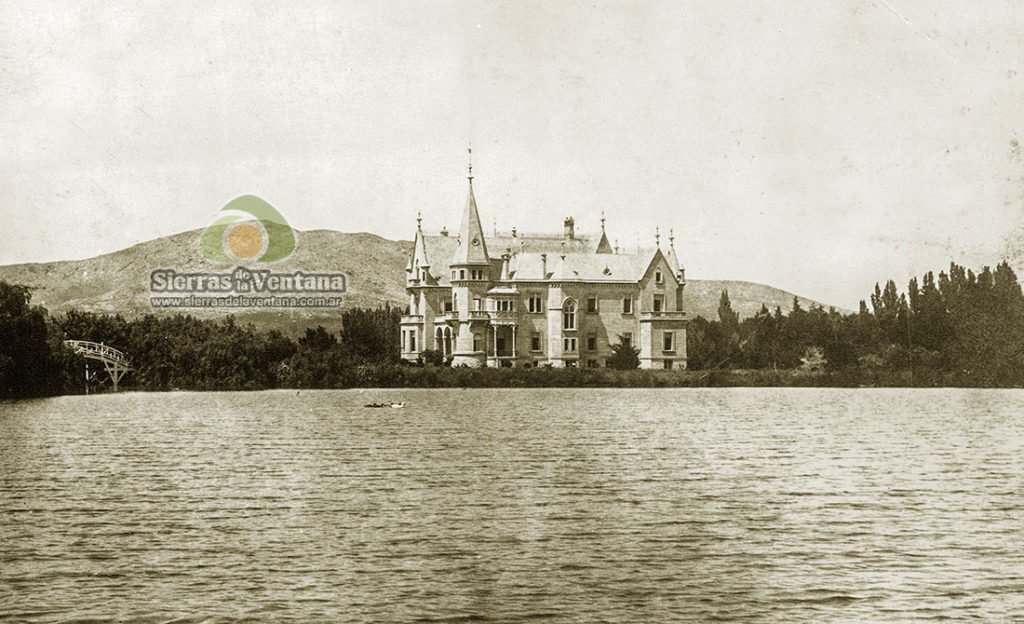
(527, 300)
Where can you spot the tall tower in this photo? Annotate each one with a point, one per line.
(470, 277)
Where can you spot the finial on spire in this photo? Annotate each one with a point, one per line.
(419, 220)
(470, 150)
(657, 236)
(671, 238)
(602, 220)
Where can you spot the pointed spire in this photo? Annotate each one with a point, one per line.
(603, 246)
(673, 260)
(419, 220)
(657, 237)
(472, 247)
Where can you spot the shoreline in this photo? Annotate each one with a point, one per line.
(392, 377)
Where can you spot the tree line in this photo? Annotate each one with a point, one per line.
(185, 352)
(960, 328)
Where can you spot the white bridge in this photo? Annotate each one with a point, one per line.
(115, 362)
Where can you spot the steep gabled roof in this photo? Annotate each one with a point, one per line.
(578, 267)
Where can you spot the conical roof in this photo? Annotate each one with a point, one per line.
(472, 247)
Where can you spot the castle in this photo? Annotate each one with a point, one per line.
(544, 300)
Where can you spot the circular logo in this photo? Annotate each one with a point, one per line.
(244, 241)
(248, 230)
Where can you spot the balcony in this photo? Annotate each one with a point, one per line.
(479, 315)
(503, 317)
(664, 315)
(412, 319)
(447, 317)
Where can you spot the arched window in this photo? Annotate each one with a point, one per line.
(439, 341)
(569, 314)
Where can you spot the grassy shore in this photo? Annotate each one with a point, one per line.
(443, 377)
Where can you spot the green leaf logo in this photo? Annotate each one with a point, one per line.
(248, 230)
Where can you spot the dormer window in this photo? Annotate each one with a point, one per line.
(659, 278)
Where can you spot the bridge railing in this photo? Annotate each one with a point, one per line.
(98, 350)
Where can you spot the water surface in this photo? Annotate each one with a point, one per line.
(771, 505)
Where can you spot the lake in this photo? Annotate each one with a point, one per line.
(692, 505)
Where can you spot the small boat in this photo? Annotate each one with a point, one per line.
(376, 405)
(398, 405)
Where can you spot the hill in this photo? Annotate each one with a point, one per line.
(119, 282)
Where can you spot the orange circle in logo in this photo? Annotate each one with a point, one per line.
(244, 241)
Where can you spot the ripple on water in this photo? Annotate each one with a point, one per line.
(506, 506)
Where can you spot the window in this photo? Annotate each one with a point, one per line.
(569, 344)
(412, 341)
(659, 303)
(477, 305)
(591, 304)
(627, 305)
(455, 300)
(448, 305)
(592, 342)
(569, 315)
(668, 364)
(658, 277)
(476, 342)
(535, 342)
(504, 305)
(533, 304)
(627, 339)
(453, 273)
(462, 274)
(592, 364)
(667, 337)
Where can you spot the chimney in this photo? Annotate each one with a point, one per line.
(544, 266)
(444, 231)
(513, 232)
(570, 229)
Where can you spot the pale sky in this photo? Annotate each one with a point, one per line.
(814, 146)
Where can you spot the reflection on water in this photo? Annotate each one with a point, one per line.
(491, 505)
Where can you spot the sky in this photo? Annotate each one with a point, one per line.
(815, 146)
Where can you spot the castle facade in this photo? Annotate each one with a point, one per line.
(548, 300)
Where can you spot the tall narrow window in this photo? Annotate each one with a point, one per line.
(476, 342)
(569, 315)
(569, 344)
(658, 277)
(591, 304)
(668, 340)
(627, 305)
(659, 303)
(592, 342)
(627, 339)
(535, 342)
(533, 304)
